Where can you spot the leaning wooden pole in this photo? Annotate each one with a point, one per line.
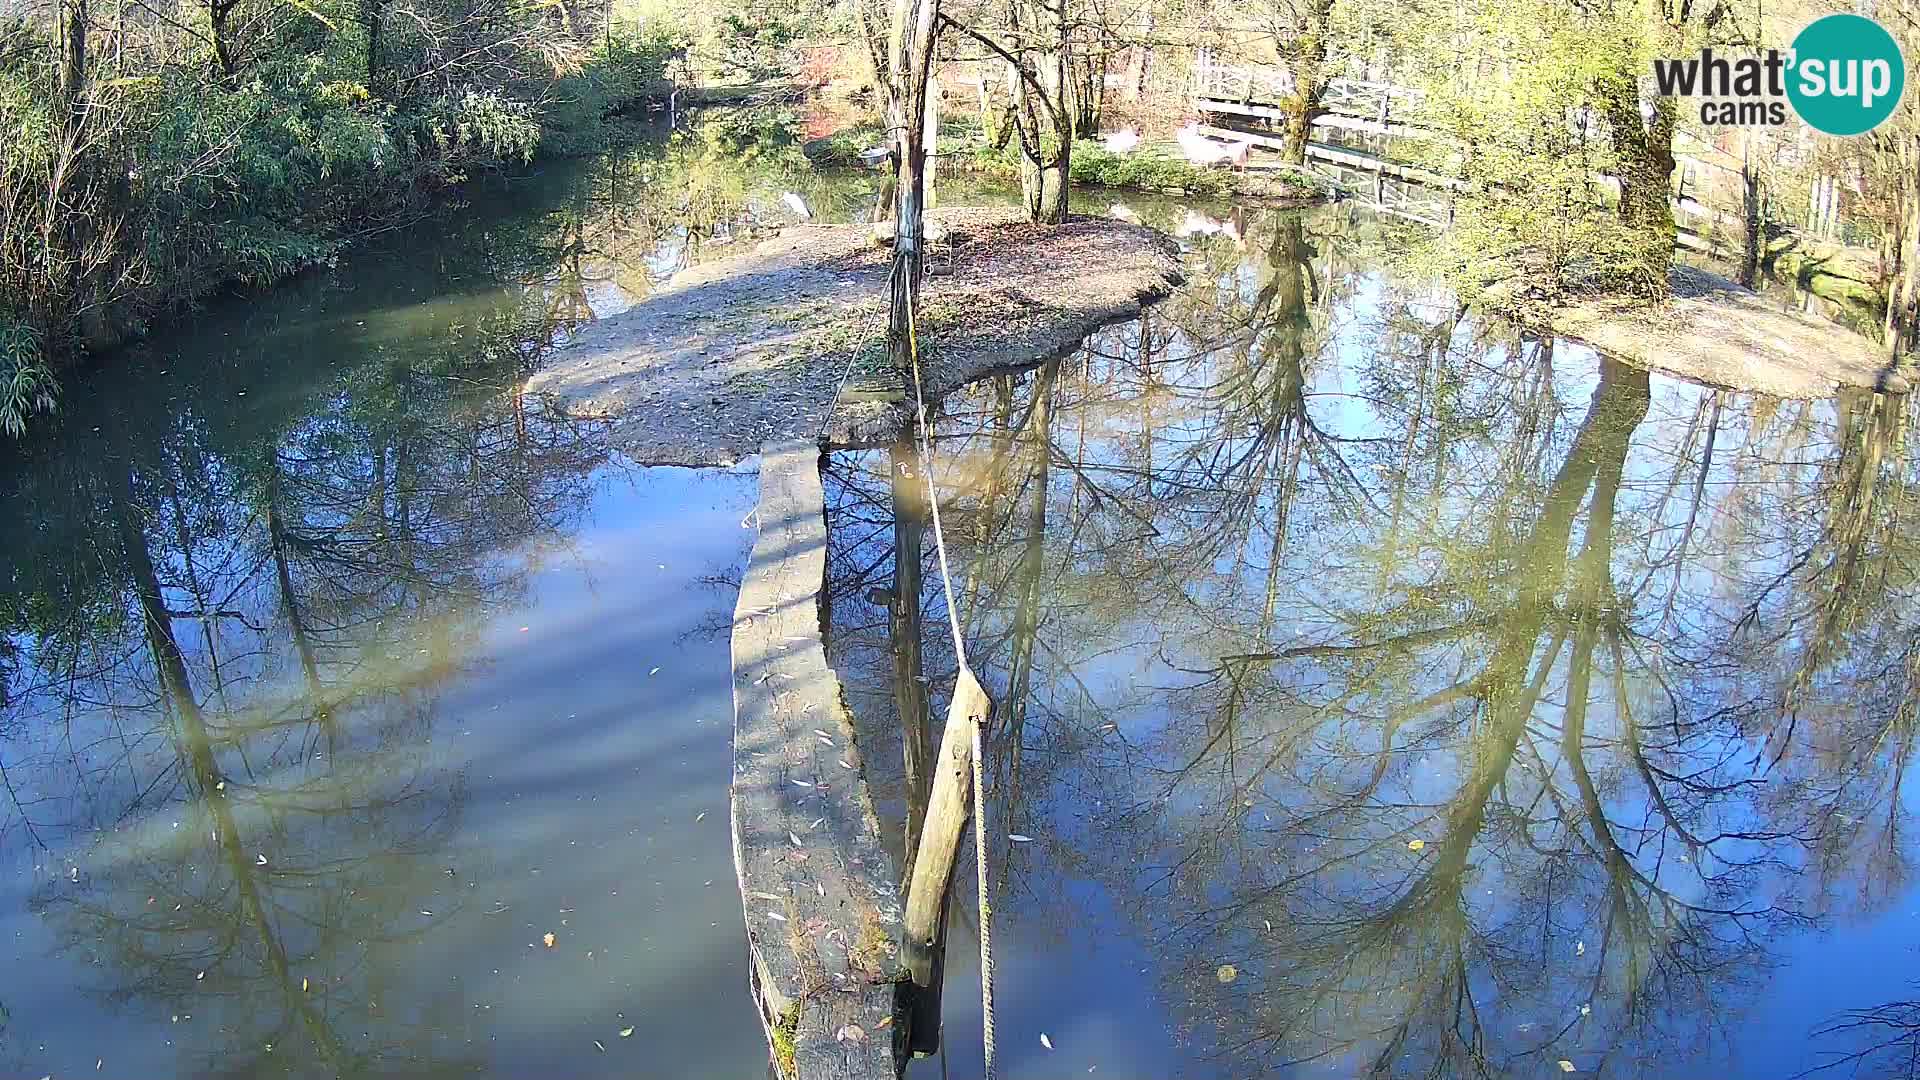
(948, 811)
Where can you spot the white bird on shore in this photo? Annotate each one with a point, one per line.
(1124, 141)
(798, 205)
(1202, 150)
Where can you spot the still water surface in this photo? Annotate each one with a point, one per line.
(337, 676)
(1383, 692)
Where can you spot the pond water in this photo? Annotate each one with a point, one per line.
(337, 675)
(1382, 691)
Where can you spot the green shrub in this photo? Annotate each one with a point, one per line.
(199, 169)
(26, 386)
(1144, 170)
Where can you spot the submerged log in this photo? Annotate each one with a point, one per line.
(822, 907)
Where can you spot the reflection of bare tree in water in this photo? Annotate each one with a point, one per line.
(1476, 765)
(273, 806)
(1884, 1039)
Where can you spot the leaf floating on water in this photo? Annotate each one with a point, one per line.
(200, 976)
(1586, 1010)
(652, 673)
(699, 817)
(1020, 838)
(1046, 1042)
(885, 1021)
(1416, 845)
(260, 860)
(802, 783)
(600, 1046)
(1579, 948)
(549, 939)
(303, 986)
(1226, 973)
(776, 916)
(626, 1033)
(794, 836)
(1565, 1065)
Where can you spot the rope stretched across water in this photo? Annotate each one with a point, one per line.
(925, 444)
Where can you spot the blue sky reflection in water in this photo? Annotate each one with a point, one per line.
(1483, 704)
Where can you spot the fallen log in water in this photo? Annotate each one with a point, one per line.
(822, 908)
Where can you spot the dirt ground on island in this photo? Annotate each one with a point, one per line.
(1717, 332)
(752, 349)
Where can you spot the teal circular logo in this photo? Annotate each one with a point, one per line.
(1846, 74)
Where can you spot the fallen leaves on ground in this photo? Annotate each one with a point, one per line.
(549, 939)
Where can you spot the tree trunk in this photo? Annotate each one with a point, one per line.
(911, 58)
(373, 16)
(1137, 64)
(1046, 117)
(1089, 92)
(1645, 153)
(73, 59)
(1307, 58)
(1754, 240)
(1903, 287)
(219, 15)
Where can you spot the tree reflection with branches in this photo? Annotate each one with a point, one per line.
(1484, 704)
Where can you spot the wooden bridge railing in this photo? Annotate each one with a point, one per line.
(1262, 90)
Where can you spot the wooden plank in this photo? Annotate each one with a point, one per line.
(822, 910)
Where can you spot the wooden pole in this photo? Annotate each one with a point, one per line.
(948, 811)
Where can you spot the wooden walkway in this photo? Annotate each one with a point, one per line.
(823, 910)
(1384, 110)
